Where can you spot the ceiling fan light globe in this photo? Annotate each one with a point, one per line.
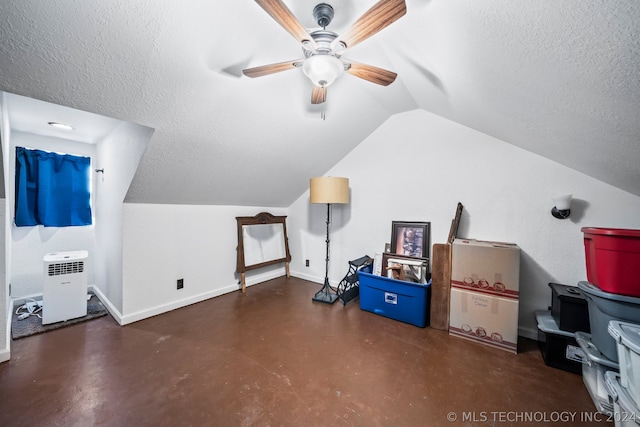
(322, 70)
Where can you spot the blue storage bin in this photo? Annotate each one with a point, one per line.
(404, 301)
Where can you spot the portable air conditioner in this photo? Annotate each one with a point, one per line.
(64, 295)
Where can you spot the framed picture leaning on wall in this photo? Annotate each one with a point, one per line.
(412, 239)
(409, 269)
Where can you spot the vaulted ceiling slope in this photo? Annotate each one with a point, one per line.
(560, 79)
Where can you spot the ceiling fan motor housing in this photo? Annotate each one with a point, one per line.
(323, 40)
(323, 14)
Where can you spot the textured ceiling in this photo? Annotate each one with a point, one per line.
(557, 78)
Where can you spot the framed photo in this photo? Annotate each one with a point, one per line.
(408, 269)
(411, 239)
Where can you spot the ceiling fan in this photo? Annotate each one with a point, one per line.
(323, 62)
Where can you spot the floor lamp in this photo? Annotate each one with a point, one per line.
(329, 190)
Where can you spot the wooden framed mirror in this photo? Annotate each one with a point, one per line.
(262, 241)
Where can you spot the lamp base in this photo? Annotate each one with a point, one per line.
(325, 294)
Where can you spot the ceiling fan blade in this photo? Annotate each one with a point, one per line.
(381, 15)
(373, 74)
(283, 16)
(318, 94)
(265, 70)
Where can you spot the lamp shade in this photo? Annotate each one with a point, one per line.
(563, 202)
(322, 69)
(329, 189)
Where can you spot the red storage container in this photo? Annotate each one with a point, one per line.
(613, 259)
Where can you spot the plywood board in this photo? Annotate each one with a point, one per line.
(440, 286)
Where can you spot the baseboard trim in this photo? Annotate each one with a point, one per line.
(123, 319)
(193, 299)
(113, 311)
(5, 355)
(528, 333)
(173, 305)
(312, 278)
(253, 278)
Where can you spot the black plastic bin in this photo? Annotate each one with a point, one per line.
(569, 308)
(559, 348)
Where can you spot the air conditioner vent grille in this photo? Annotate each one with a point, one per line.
(62, 268)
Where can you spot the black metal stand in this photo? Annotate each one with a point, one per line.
(349, 287)
(325, 294)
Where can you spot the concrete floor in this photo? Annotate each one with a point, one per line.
(275, 358)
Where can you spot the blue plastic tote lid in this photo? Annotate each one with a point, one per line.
(627, 334)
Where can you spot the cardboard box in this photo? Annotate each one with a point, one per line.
(486, 267)
(484, 318)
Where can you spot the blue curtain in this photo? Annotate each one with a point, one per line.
(52, 189)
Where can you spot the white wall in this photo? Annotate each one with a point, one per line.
(163, 243)
(5, 302)
(417, 166)
(30, 244)
(5, 263)
(119, 154)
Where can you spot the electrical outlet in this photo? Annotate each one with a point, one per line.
(180, 283)
(306, 263)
